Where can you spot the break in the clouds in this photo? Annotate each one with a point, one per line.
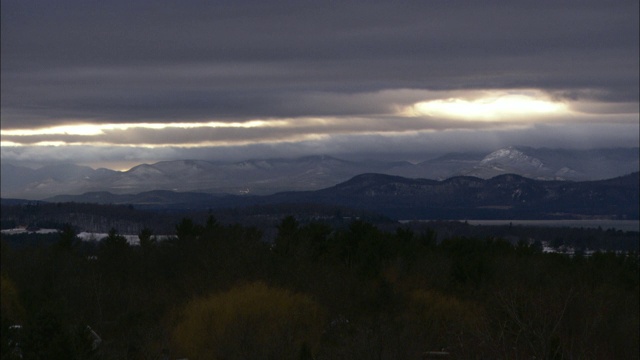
(138, 80)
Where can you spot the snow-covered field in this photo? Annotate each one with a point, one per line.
(24, 230)
(84, 236)
(87, 236)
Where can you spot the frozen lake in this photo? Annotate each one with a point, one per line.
(624, 225)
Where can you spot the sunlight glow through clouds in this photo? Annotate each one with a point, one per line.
(490, 107)
(408, 112)
(99, 129)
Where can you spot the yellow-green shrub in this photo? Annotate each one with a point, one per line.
(251, 321)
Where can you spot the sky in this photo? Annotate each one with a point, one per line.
(116, 83)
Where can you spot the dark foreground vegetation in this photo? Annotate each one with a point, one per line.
(220, 291)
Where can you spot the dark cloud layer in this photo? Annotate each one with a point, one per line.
(123, 61)
(332, 77)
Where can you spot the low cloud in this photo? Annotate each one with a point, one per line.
(416, 145)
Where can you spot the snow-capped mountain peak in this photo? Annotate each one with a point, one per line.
(511, 156)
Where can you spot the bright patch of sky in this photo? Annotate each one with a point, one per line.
(101, 129)
(491, 107)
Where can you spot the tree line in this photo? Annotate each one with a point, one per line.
(317, 291)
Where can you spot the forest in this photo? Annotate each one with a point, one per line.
(316, 291)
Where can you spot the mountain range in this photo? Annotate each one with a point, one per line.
(270, 176)
(501, 197)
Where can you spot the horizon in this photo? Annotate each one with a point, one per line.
(124, 166)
